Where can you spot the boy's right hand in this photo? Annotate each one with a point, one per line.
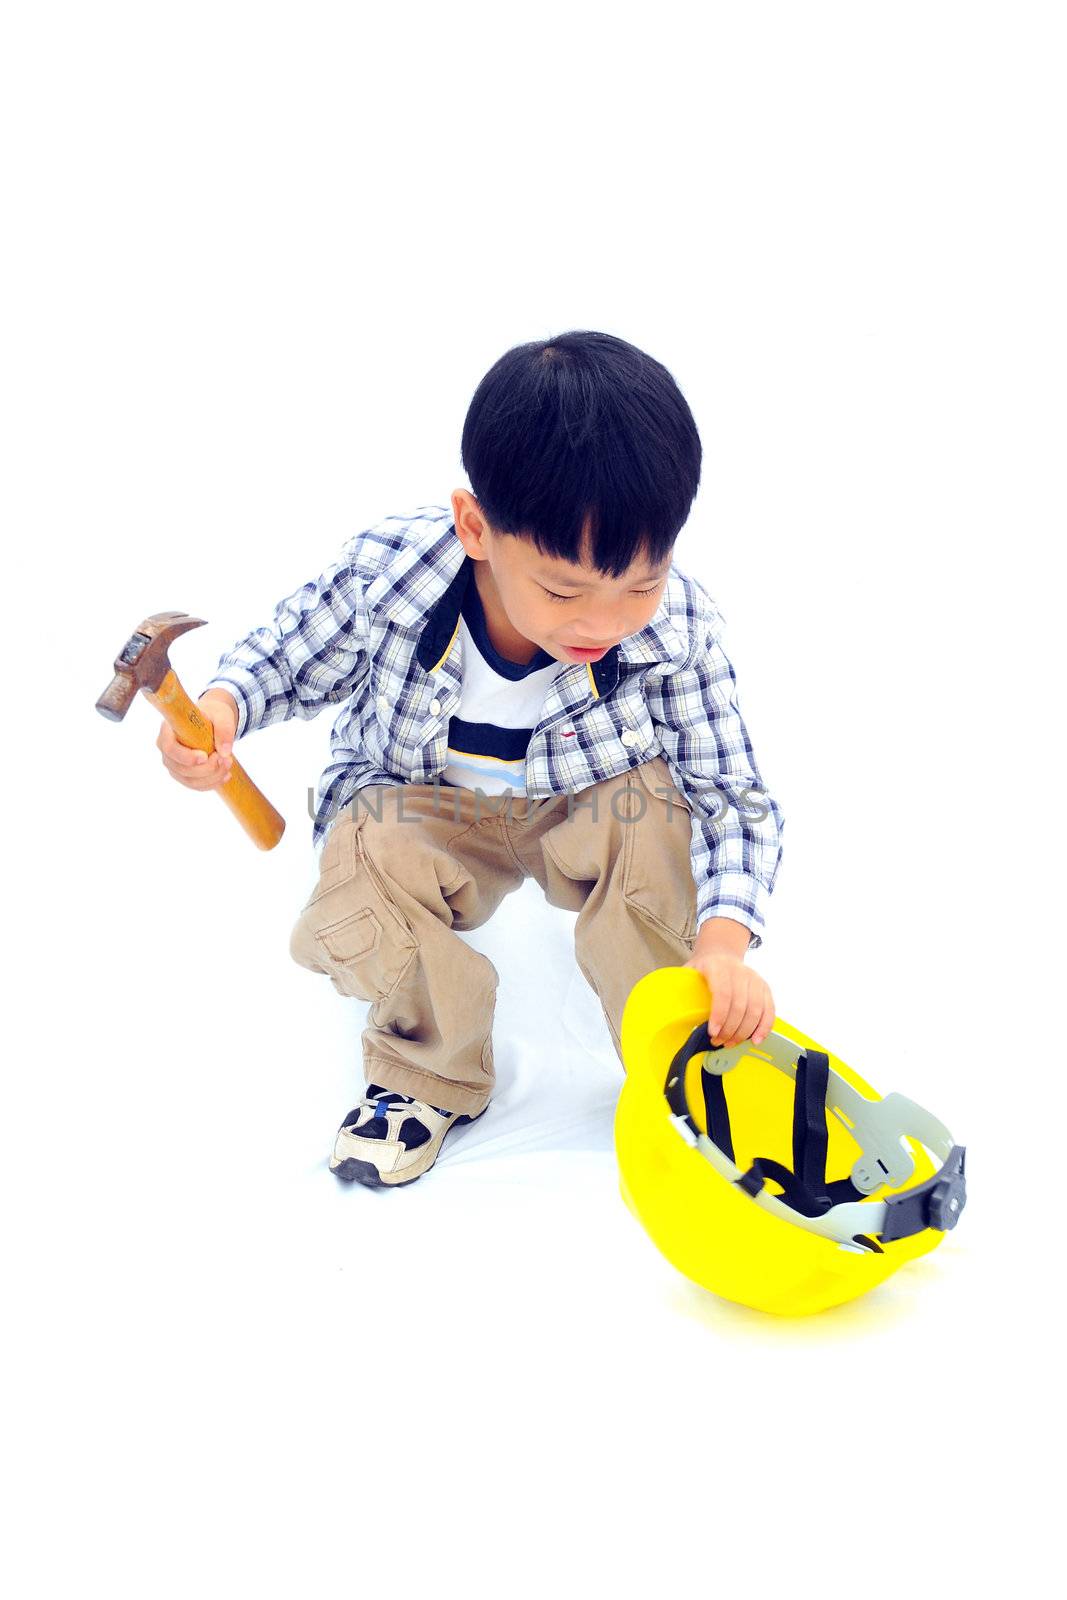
(194, 768)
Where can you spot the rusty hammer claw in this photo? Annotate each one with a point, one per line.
(143, 664)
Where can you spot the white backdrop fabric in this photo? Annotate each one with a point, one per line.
(257, 260)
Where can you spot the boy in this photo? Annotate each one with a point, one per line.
(528, 688)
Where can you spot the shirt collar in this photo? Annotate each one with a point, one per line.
(424, 586)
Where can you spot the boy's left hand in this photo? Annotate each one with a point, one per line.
(742, 1006)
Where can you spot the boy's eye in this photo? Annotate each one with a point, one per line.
(554, 596)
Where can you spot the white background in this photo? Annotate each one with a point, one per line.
(256, 260)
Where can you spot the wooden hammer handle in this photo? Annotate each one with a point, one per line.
(249, 805)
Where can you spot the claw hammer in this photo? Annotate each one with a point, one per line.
(142, 663)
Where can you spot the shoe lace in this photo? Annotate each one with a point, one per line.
(384, 1099)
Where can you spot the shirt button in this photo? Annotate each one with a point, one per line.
(383, 702)
(630, 737)
(435, 705)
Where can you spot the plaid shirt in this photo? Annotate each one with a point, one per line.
(378, 635)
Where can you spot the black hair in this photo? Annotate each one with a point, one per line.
(583, 426)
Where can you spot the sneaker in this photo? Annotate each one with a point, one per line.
(390, 1139)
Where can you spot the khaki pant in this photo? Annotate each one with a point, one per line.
(406, 865)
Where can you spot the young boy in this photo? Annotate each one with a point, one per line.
(529, 687)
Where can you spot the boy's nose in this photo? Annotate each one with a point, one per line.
(594, 636)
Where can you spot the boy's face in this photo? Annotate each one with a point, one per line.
(517, 584)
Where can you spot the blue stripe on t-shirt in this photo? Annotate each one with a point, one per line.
(484, 768)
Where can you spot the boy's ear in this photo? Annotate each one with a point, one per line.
(471, 525)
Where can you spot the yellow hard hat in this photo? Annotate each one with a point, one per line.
(703, 1132)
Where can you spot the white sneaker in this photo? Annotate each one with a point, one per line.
(390, 1139)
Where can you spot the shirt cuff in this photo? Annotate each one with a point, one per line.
(737, 896)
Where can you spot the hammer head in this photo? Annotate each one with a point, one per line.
(142, 662)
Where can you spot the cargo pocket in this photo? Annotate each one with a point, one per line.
(337, 861)
(349, 949)
(350, 928)
(657, 872)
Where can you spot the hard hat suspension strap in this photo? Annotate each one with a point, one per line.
(805, 1188)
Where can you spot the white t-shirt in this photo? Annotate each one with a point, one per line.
(499, 707)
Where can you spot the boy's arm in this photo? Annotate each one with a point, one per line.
(723, 933)
(736, 825)
(311, 654)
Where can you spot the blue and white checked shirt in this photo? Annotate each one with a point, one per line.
(378, 635)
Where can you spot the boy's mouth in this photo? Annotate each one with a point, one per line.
(586, 655)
